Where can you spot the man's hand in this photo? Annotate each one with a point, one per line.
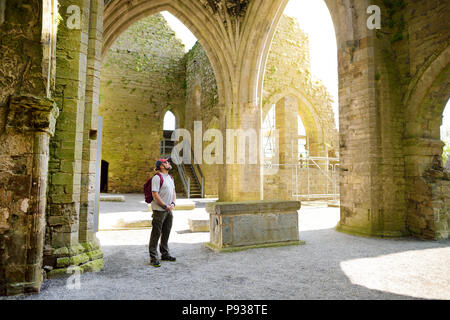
(170, 207)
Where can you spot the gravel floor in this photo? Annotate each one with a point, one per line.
(331, 265)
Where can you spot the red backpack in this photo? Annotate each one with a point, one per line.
(148, 187)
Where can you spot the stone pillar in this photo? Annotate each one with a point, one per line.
(65, 166)
(27, 120)
(286, 111)
(69, 247)
(241, 173)
(371, 168)
(90, 123)
(30, 123)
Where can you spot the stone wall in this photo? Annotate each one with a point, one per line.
(202, 105)
(143, 76)
(430, 206)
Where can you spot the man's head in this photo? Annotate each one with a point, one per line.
(163, 165)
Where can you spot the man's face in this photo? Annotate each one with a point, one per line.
(167, 165)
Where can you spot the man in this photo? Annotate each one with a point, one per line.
(164, 197)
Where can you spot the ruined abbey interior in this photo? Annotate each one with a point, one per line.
(65, 64)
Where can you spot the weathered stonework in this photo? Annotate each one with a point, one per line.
(135, 97)
(393, 86)
(27, 120)
(202, 105)
(64, 261)
(73, 148)
(253, 223)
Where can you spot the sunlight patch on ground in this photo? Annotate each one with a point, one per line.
(318, 218)
(416, 273)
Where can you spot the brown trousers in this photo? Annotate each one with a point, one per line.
(161, 226)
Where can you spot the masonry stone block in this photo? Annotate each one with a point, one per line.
(253, 223)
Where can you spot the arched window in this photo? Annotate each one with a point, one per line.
(302, 139)
(169, 121)
(268, 129)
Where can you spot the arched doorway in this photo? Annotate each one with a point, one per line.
(104, 176)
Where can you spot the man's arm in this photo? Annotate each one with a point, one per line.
(174, 196)
(158, 199)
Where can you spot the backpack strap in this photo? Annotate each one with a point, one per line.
(161, 179)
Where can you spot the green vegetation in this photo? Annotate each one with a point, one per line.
(446, 139)
(394, 20)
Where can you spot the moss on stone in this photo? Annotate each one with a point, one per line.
(63, 272)
(76, 250)
(94, 255)
(79, 259)
(93, 266)
(61, 252)
(62, 262)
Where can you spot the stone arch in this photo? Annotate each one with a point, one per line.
(119, 15)
(344, 23)
(425, 101)
(426, 180)
(427, 97)
(306, 111)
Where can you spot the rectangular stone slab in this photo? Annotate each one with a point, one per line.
(237, 224)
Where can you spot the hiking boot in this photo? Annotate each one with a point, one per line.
(155, 263)
(168, 258)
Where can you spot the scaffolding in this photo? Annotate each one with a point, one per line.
(312, 177)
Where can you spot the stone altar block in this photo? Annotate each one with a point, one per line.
(249, 224)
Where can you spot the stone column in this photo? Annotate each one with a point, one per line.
(90, 123)
(66, 146)
(241, 219)
(27, 120)
(287, 126)
(370, 119)
(241, 173)
(30, 123)
(70, 243)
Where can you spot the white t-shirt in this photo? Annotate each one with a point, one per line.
(166, 191)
